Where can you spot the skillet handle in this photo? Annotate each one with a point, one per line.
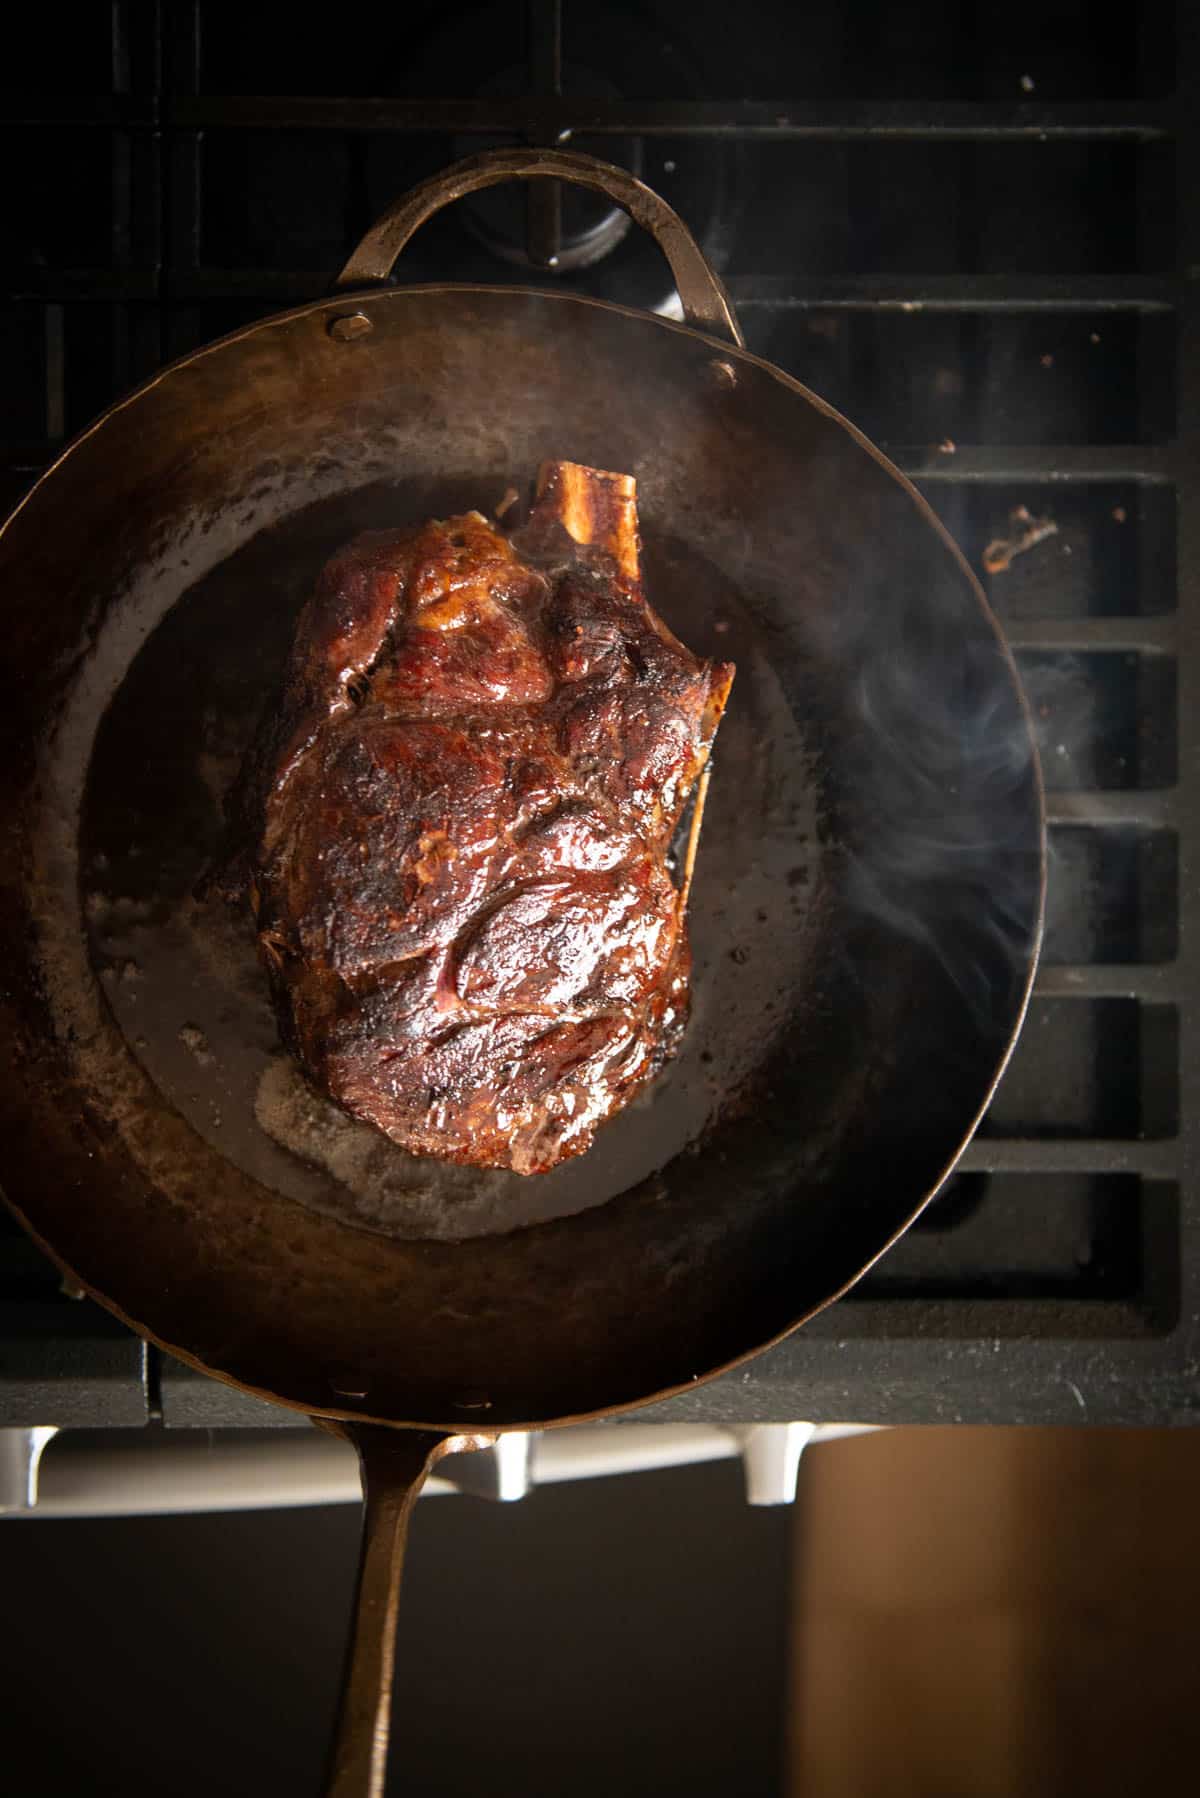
(394, 1466)
(706, 305)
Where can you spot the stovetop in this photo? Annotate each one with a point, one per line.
(964, 230)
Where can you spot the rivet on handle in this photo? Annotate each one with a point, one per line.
(348, 327)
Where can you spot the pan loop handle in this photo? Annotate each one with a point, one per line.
(706, 305)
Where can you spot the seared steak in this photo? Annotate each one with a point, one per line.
(454, 829)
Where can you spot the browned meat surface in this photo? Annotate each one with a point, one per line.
(454, 831)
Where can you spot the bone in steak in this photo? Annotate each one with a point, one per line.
(454, 829)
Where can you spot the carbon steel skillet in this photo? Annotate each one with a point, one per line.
(866, 912)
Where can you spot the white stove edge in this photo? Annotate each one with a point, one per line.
(191, 1471)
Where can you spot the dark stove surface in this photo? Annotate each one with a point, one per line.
(963, 229)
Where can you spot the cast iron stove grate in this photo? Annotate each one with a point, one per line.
(962, 233)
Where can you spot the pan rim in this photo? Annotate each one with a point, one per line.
(723, 350)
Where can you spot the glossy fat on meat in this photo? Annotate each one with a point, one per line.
(454, 828)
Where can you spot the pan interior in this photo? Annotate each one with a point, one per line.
(180, 971)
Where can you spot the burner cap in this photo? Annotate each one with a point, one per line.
(609, 50)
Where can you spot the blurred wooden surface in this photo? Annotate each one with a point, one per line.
(981, 1613)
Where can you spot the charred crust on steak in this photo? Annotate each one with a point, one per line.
(453, 829)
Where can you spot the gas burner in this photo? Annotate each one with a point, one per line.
(587, 227)
(567, 233)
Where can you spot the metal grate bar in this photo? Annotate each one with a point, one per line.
(557, 119)
(1150, 636)
(543, 199)
(1152, 810)
(917, 293)
(998, 1326)
(1155, 981)
(986, 1361)
(1136, 121)
(104, 285)
(1065, 462)
(70, 112)
(183, 180)
(955, 293)
(70, 1364)
(982, 463)
(1156, 1160)
(1188, 566)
